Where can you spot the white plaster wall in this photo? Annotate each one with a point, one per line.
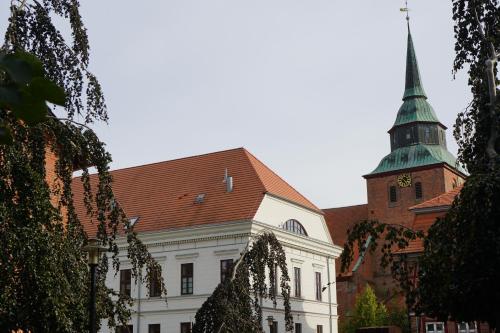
(276, 212)
(205, 247)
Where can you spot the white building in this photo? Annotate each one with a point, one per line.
(196, 214)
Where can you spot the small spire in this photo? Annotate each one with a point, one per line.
(413, 84)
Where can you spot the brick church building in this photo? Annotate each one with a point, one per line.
(418, 169)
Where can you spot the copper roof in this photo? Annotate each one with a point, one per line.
(162, 195)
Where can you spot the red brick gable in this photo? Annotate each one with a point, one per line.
(162, 195)
(427, 213)
(339, 220)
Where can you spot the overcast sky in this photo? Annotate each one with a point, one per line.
(308, 86)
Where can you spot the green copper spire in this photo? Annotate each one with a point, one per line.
(418, 138)
(413, 85)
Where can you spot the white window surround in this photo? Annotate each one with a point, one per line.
(434, 327)
(467, 327)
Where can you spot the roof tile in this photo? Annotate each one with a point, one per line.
(163, 194)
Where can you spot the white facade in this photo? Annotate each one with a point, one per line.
(205, 246)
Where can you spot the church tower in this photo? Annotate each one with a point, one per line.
(419, 166)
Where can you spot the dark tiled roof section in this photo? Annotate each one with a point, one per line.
(163, 194)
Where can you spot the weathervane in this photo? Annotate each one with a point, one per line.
(407, 10)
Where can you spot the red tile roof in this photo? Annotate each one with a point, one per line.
(422, 222)
(339, 220)
(425, 219)
(443, 200)
(163, 194)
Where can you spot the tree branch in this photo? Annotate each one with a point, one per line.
(492, 90)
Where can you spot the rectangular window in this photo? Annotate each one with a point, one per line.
(434, 327)
(154, 328)
(226, 269)
(125, 282)
(185, 327)
(319, 328)
(393, 197)
(155, 284)
(275, 280)
(418, 190)
(125, 329)
(298, 328)
(318, 286)
(187, 279)
(296, 276)
(467, 327)
(274, 328)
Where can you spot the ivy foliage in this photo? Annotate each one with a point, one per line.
(235, 306)
(458, 271)
(44, 278)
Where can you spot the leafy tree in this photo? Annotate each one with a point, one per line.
(368, 312)
(235, 306)
(458, 271)
(24, 90)
(43, 272)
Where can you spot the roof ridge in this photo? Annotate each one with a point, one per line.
(340, 207)
(250, 156)
(175, 159)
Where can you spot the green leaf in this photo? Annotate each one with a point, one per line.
(34, 63)
(32, 110)
(19, 70)
(9, 96)
(47, 90)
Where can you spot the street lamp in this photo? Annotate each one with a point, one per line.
(94, 249)
(326, 286)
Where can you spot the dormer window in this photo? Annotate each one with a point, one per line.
(295, 226)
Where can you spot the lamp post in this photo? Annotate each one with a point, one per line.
(270, 322)
(94, 249)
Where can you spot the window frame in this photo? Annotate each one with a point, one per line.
(393, 190)
(297, 283)
(318, 286)
(468, 328)
(298, 328)
(126, 276)
(155, 285)
(152, 328)
(187, 280)
(186, 325)
(226, 272)
(293, 225)
(419, 191)
(435, 323)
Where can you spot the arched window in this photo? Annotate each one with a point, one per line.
(295, 226)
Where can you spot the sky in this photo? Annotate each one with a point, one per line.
(310, 87)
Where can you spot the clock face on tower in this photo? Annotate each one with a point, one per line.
(404, 180)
